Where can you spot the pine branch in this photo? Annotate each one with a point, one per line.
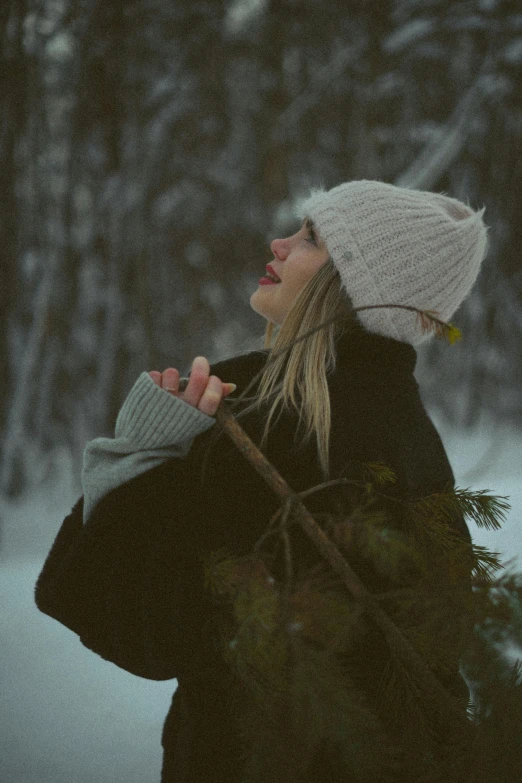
(483, 509)
(403, 650)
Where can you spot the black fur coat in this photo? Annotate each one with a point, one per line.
(129, 582)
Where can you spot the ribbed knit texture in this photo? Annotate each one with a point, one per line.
(395, 245)
(151, 417)
(152, 426)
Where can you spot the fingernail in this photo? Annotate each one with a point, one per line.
(200, 363)
(232, 387)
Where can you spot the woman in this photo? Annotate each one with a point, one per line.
(125, 572)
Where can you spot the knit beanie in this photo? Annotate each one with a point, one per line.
(396, 245)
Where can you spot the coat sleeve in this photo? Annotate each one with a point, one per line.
(151, 427)
(124, 572)
(129, 582)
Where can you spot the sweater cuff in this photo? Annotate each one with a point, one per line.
(152, 417)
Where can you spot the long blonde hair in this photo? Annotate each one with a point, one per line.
(301, 371)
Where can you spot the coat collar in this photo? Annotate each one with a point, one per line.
(361, 349)
(358, 350)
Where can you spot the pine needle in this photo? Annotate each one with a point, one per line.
(328, 705)
(485, 563)
(430, 323)
(487, 511)
(379, 473)
(404, 703)
(305, 713)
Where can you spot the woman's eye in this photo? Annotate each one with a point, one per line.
(312, 238)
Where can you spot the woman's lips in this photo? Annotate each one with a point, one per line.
(272, 273)
(267, 281)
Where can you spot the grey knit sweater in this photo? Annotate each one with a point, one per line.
(152, 426)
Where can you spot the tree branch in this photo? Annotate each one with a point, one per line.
(440, 152)
(449, 707)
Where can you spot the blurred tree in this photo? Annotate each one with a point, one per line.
(13, 107)
(150, 149)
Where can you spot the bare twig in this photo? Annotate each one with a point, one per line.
(271, 530)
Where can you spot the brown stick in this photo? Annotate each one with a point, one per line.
(329, 551)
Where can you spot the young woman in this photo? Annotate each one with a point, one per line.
(125, 571)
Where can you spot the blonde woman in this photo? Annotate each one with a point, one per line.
(125, 573)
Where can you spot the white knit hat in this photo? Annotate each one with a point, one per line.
(396, 245)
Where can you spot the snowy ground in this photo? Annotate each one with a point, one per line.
(70, 717)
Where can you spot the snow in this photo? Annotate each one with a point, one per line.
(407, 35)
(68, 715)
(241, 13)
(491, 459)
(513, 52)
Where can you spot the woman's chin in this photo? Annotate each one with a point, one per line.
(257, 309)
(260, 307)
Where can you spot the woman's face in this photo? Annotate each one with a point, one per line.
(296, 260)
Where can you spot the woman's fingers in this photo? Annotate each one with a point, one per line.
(203, 392)
(213, 394)
(197, 382)
(170, 380)
(211, 397)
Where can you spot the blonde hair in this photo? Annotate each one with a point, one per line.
(297, 378)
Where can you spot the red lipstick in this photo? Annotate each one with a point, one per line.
(270, 268)
(267, 280)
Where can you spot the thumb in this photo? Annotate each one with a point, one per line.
(228, 388)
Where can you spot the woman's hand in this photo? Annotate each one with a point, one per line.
(202, 392)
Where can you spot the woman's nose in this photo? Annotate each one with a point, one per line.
(279, 249)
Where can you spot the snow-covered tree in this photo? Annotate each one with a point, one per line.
(151, 149)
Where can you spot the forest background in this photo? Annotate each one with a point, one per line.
(150, 150)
